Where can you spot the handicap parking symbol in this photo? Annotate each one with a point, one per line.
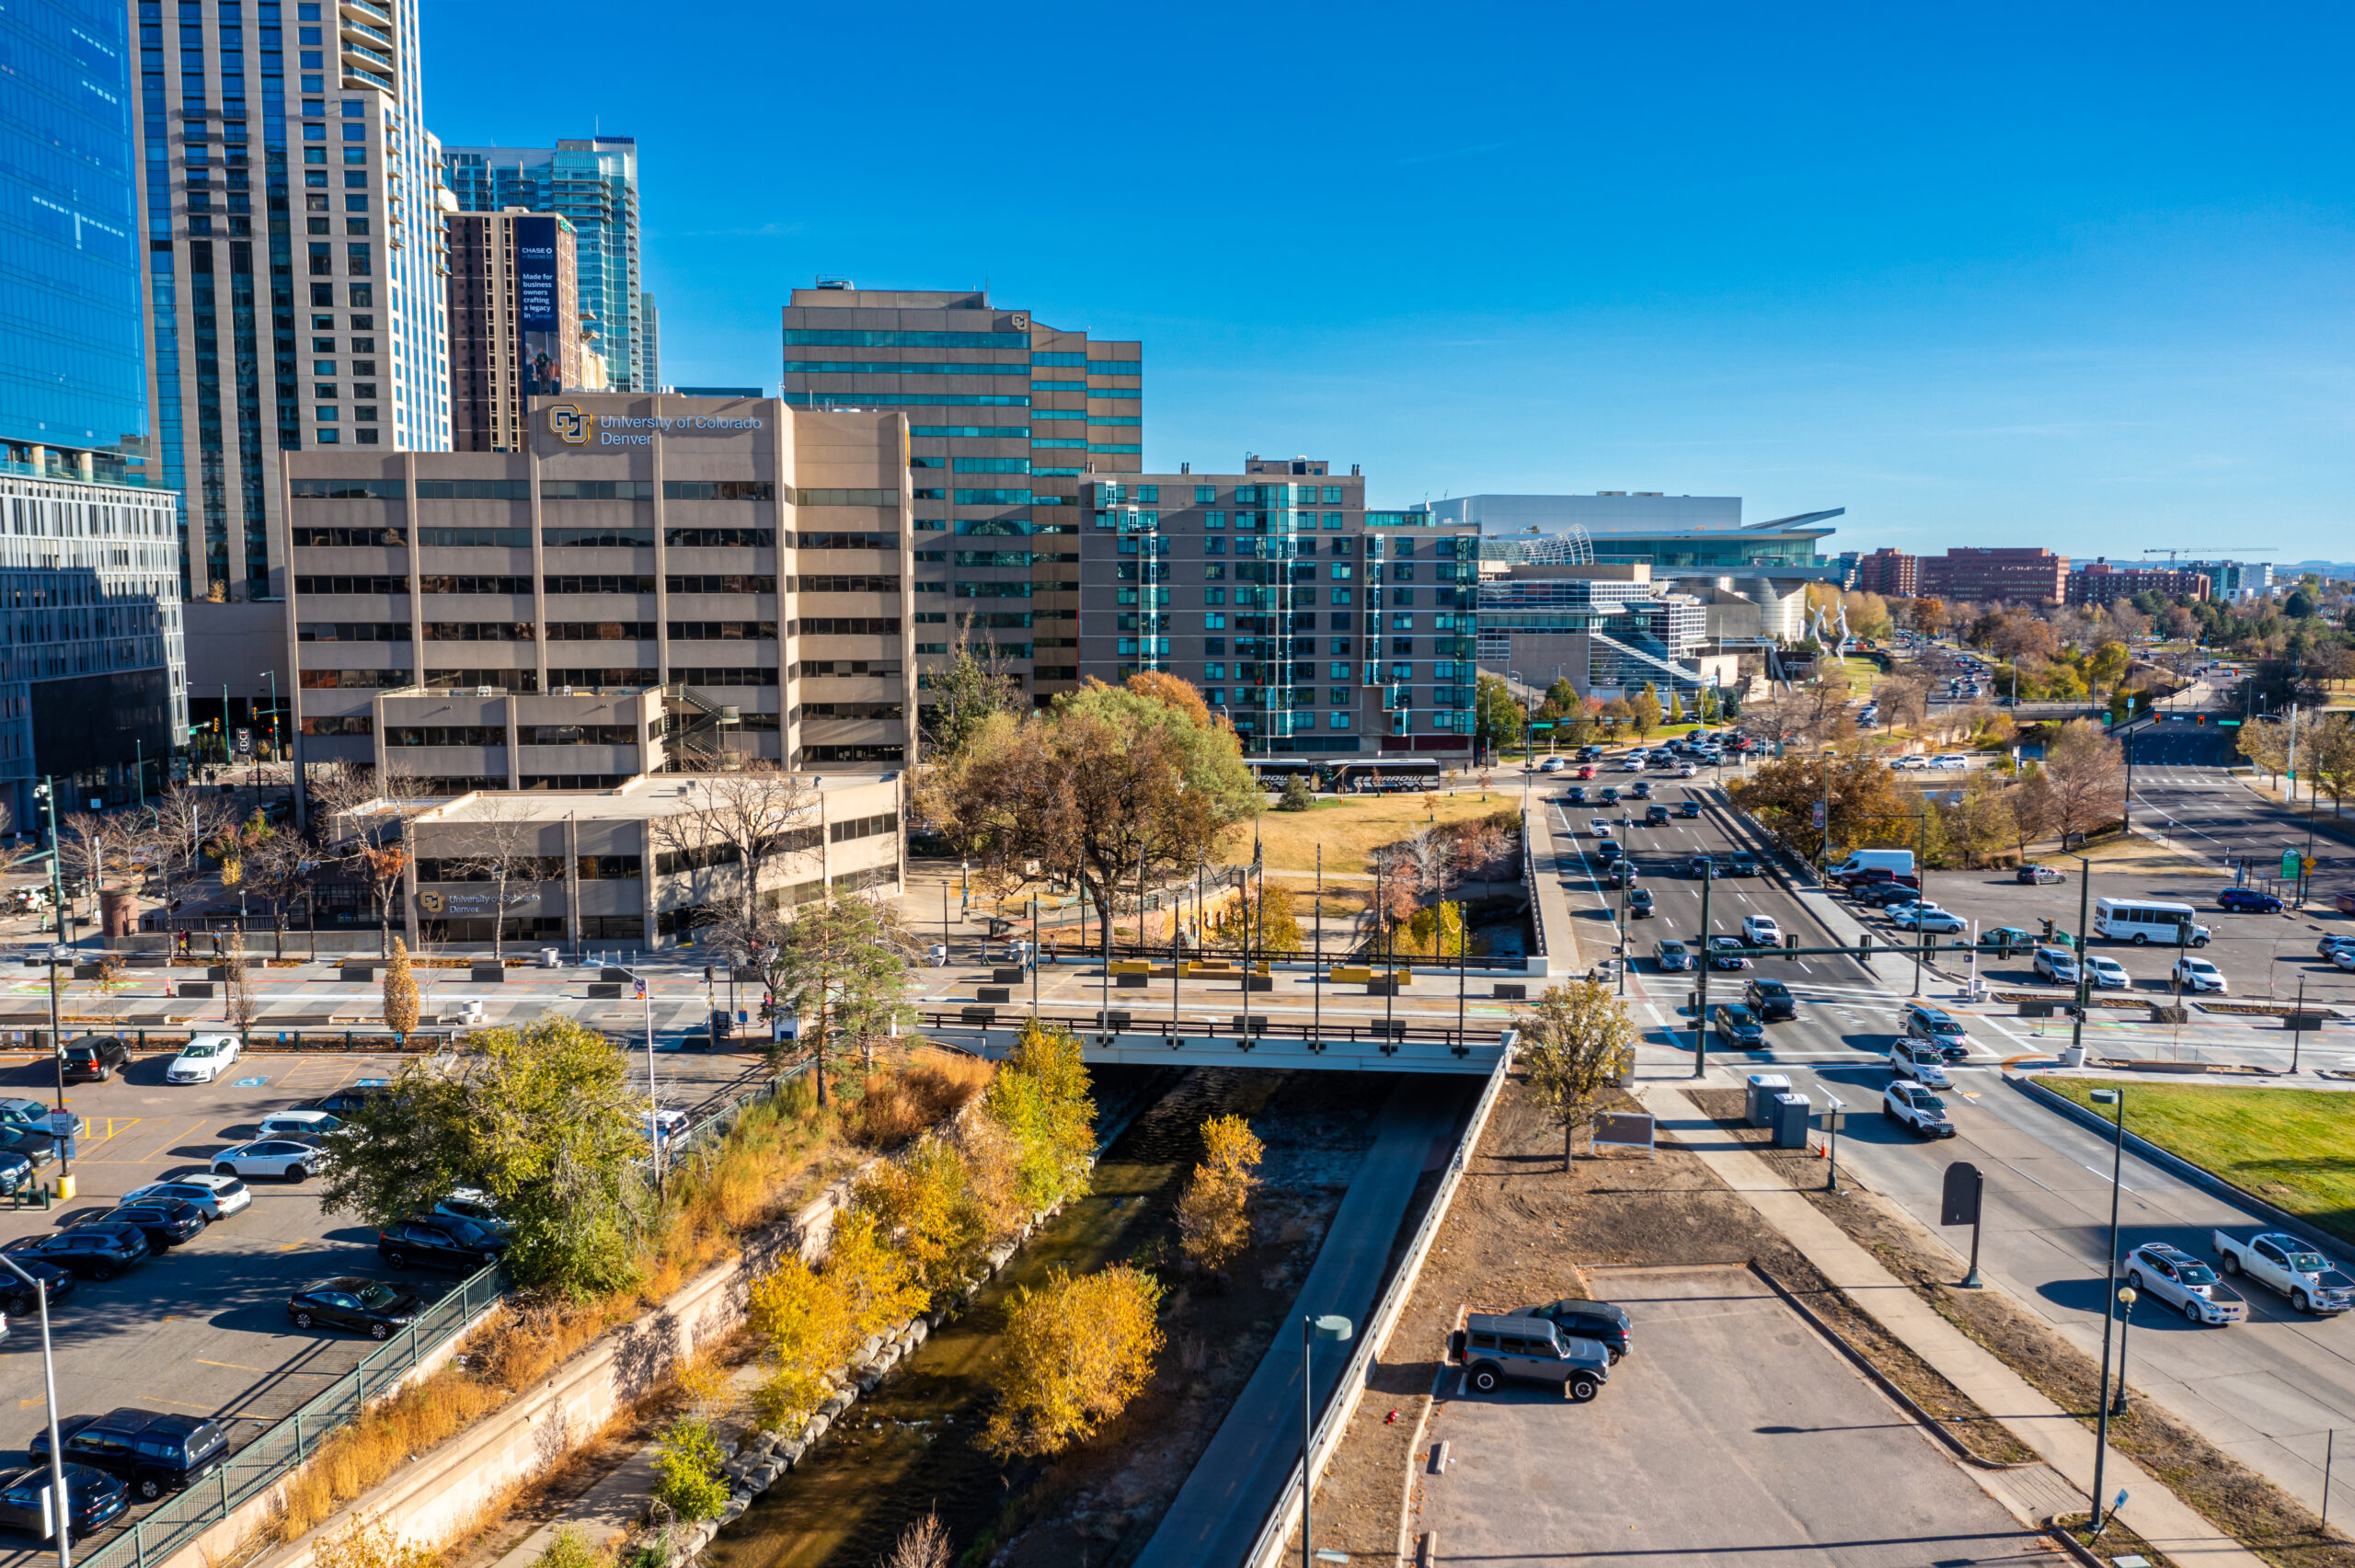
(251, 1082)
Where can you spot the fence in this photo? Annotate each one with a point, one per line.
(282, 1448)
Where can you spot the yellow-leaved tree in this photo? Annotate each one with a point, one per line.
(877, 1282)
(1214, 1213)
(400, 991)
(1041, 1096)
(807, 1321)
(1574, 1043)
(925, 1206)
(1075, 1352)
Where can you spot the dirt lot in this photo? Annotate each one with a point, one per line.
(1521, 1230)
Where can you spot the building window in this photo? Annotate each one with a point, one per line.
(1339, 720)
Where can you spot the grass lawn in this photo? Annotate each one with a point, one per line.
(2294, 1147)
(1352, 826)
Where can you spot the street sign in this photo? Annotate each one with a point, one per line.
(2290, 863)
(245, 741)
(1960, 1202)
(2306, 863)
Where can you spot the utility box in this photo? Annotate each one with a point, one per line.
(362, 974)
(996, 994)
(1011, 975)
(1763, 1087)
(1511, 992)
(1791, 1113)
(1131, 982)
(192, 989)
(488, 974)
(616, 972)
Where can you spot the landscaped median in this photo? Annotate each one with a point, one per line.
(2289, 1147)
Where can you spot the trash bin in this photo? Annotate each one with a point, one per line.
(1791, 1112)
(1763, 1087)
(550, 958)
(2073, 1055)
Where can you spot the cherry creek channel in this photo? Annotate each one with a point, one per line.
(908, 1446)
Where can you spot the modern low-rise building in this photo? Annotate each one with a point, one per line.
(1609, 629)
(1671, 534)
(1994, 575)
(2235, 580)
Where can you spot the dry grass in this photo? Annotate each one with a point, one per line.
(929, 1087)
(1350, 826)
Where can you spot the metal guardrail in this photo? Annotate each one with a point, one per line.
(1139, 1022)
(293, 1439)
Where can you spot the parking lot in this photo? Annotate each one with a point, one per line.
(203, 1329)
(1731, 1434)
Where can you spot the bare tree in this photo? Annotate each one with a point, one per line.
(1904, 701)
(380, 867)
(180, 824)
(2086, 771)
(744, 819)
(82, 840)
(505, 840)
(278, 866)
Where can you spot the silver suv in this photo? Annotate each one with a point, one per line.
(1534, 1350)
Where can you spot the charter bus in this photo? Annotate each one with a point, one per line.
(2144, 921)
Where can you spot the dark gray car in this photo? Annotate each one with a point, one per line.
(1532, 1350)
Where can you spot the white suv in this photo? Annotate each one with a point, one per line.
(1920, 1061)
(2057, 966)
(2198, 974)
(1759, 931)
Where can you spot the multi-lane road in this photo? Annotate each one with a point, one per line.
(2268, 1390)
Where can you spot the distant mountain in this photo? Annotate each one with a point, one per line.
(2325, 569)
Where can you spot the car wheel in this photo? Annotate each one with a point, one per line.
(2300, 1299)
(1583, 1388)
(2232, 1264)
(304, 1320)
(1886, 1115)
(2191, 1310)
(397, 1260)
(2142, 939)
(1485, 1379)
(297, 1174)
(150, 1488)
(102, 1272)
(379, 1330)
(2199, 942)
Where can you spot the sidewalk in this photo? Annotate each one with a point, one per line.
(2153, 1512)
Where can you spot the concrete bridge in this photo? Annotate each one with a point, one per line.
(1345, 1045)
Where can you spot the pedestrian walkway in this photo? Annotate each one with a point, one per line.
(2068, 1446)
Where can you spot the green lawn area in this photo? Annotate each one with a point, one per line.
(2294, 1147)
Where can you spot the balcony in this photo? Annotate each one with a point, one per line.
(372, 56)
(353, 76)
(367, 12)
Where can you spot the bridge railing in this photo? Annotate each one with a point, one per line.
(1362, 1031)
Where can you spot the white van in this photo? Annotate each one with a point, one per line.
(1897, 862)
(2146, 921)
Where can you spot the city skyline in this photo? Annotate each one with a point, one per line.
(2098, 303)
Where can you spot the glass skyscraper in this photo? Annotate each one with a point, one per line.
(70, 383)
(593, 182)
(293, 212)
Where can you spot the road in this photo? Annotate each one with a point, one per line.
(2266, 1390)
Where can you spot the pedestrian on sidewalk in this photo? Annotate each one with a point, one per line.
(1052, 958)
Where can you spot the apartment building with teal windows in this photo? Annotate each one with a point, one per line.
(591, 181)
(1009, 420)
(1315, 626)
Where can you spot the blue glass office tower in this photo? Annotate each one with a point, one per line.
(593, 182)
(70, 383)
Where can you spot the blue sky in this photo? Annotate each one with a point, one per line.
(2009, 275)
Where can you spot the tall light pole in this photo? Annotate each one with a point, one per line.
(60, 1497)
(46, 793)
(1334, 1328)
(2109, 1283)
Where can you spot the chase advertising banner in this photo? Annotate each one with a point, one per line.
(538, 306)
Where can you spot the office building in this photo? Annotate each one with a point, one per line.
(1009, 418)
(1610, 629)
(1313, 624)
(1994, 576)
(1893, 574)
(2237, 581)
(593, 183)
(649, 351)
(1702, 535)
(2098, 582)
(729, 576)
(514, 324)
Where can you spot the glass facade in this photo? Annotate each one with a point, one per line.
(70, 304)
(593, 182)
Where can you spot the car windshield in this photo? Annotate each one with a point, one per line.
(375, 1293)
(197, 1052)
(1929, 1102)
(1770, 988)
(2194, 1273)
(1672, 949)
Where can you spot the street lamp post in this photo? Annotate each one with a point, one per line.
(58, 1495)
(2126, 1299)
(2109, 1282)
(1832, 1107)
(1334, 1328)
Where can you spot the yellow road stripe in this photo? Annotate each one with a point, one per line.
(237, 1365)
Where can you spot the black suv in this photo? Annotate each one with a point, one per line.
(1599, 1320)
(1770, 999)
(1688, 808)
(99, 1251)
(17, 1298)
(439, 1240)
(165, 1221)
(94, 1058)
(1639, 904)
(1701, 868)
(154, 1452)
(1655, 816)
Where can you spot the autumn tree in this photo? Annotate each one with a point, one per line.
(2327, 754)
(1110, 784)
(1214, 1212)
(1500, 720)
(2108, 666)
(924, 1203)
(1575, 1042)
(278, 866)
(1040, 1094)
(1865, 806)
(977, 686)
(804, 1322)
(400, 990)
(1074, 1353)
(2086, 771)
(847, 960)
(1982, 822)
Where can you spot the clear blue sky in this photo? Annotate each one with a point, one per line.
(2027, 275)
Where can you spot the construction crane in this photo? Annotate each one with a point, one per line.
(2221, 553)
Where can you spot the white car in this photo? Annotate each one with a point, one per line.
(1914, 1107)
(1687, 771)
(2056, 965)
(1951, 763)
(1920, 1061)
(1552, 765)
(1632, 765)
(1759, 931)
(202, 1060)
(1925, 917)
(1912, 762)
(2109, 973)
(473, 1202)
(2198, 974)
(291, 1159)
(216, 1197)
(283, 1124)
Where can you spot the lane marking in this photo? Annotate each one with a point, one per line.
(235, 1366)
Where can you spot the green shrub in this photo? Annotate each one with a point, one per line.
(687, 1477)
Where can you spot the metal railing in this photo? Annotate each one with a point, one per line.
(1140, 1021)
(284, 1445)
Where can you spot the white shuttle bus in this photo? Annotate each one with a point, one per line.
(2146, 921)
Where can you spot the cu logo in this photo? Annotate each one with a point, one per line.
(568, 424)
(432, 903)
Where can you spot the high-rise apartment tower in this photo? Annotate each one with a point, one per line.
(514, 323)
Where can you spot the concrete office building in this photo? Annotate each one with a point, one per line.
(1994, 576)
(1008, 419)
(514, 324)
(1316, 626)
(2098, 582)
(1669, 533)
(592, 182)
(729, 575)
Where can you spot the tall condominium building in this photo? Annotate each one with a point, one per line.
(1701, 534)
(514, 324)
(649, 354)
(592, 182)
(1995, 574)
(726, 576)
(294, 261)
(92, 681)
(1893, 574)
(1008, 419)
(1315, 626)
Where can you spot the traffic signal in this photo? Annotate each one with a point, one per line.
(2047, 930)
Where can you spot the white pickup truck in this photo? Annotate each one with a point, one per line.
(2289, 1265)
